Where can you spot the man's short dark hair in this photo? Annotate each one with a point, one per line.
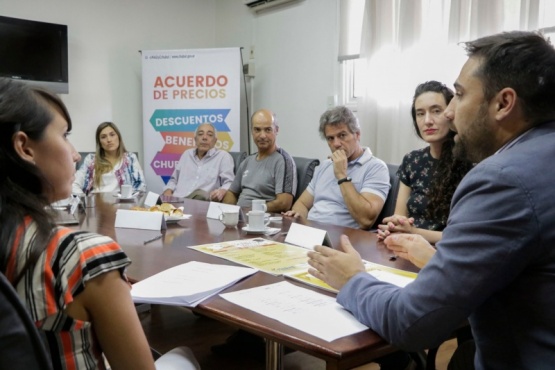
(523, 61)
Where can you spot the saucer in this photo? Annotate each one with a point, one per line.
(118, 195)
(266, 215)
(61, 204)
(248, 230)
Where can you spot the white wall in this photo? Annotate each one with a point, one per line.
(105, 37)
(295, 48)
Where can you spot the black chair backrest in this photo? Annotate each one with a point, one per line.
(22, 347)
(391, 200)
(305, 171)
(84, 154)
(238, 157)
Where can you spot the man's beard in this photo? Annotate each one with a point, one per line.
(478, 142)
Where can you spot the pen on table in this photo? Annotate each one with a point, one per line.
(153, 239)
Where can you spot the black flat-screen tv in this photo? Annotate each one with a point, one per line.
(34, 52)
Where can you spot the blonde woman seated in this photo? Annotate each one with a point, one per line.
(429, 176)
(110, 167)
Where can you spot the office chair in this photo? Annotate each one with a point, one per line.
(238, 157)
(305, 171)
(389, 205)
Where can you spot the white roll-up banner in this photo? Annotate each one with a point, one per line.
(181, 90)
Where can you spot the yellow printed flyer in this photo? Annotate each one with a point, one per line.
(383, 273)
(265, 255)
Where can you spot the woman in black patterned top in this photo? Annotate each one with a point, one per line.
(429, 176)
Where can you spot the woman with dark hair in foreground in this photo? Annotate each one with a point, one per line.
(71, 282)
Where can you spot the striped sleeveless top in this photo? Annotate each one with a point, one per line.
(60, 274)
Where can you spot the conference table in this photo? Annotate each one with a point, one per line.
(172, 249)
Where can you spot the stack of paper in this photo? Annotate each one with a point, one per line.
(188, 284)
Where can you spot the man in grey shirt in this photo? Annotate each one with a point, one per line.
(270, 174)
(203, 172)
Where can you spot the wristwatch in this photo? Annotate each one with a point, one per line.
(346, 179)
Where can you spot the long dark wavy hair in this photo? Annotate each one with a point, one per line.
(448, 171)
(22, 186)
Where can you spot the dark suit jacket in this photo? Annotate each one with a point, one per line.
(495, 265)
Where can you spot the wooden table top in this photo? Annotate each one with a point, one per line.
(172, 249)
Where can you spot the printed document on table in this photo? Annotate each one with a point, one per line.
(188, 284)
(391, 275)
(265, 255)
(312, 312)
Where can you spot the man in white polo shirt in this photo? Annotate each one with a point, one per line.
(204, 172)
(350, 188)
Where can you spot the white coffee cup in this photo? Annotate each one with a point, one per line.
(229, 218)
(257, 220)
(126, 191)
(259, 205)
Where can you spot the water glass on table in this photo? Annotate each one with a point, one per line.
(89, 200)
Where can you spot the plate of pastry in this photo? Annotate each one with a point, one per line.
(171, 213)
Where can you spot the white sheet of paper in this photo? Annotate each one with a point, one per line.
(140, 220)
(305, 236)
(151, 199)
(314, 313)
(215, 209)
(188, 284)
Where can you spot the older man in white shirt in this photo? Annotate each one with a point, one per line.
(203, 172)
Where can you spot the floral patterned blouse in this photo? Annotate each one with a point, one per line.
(127, 171)
(416, 172)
